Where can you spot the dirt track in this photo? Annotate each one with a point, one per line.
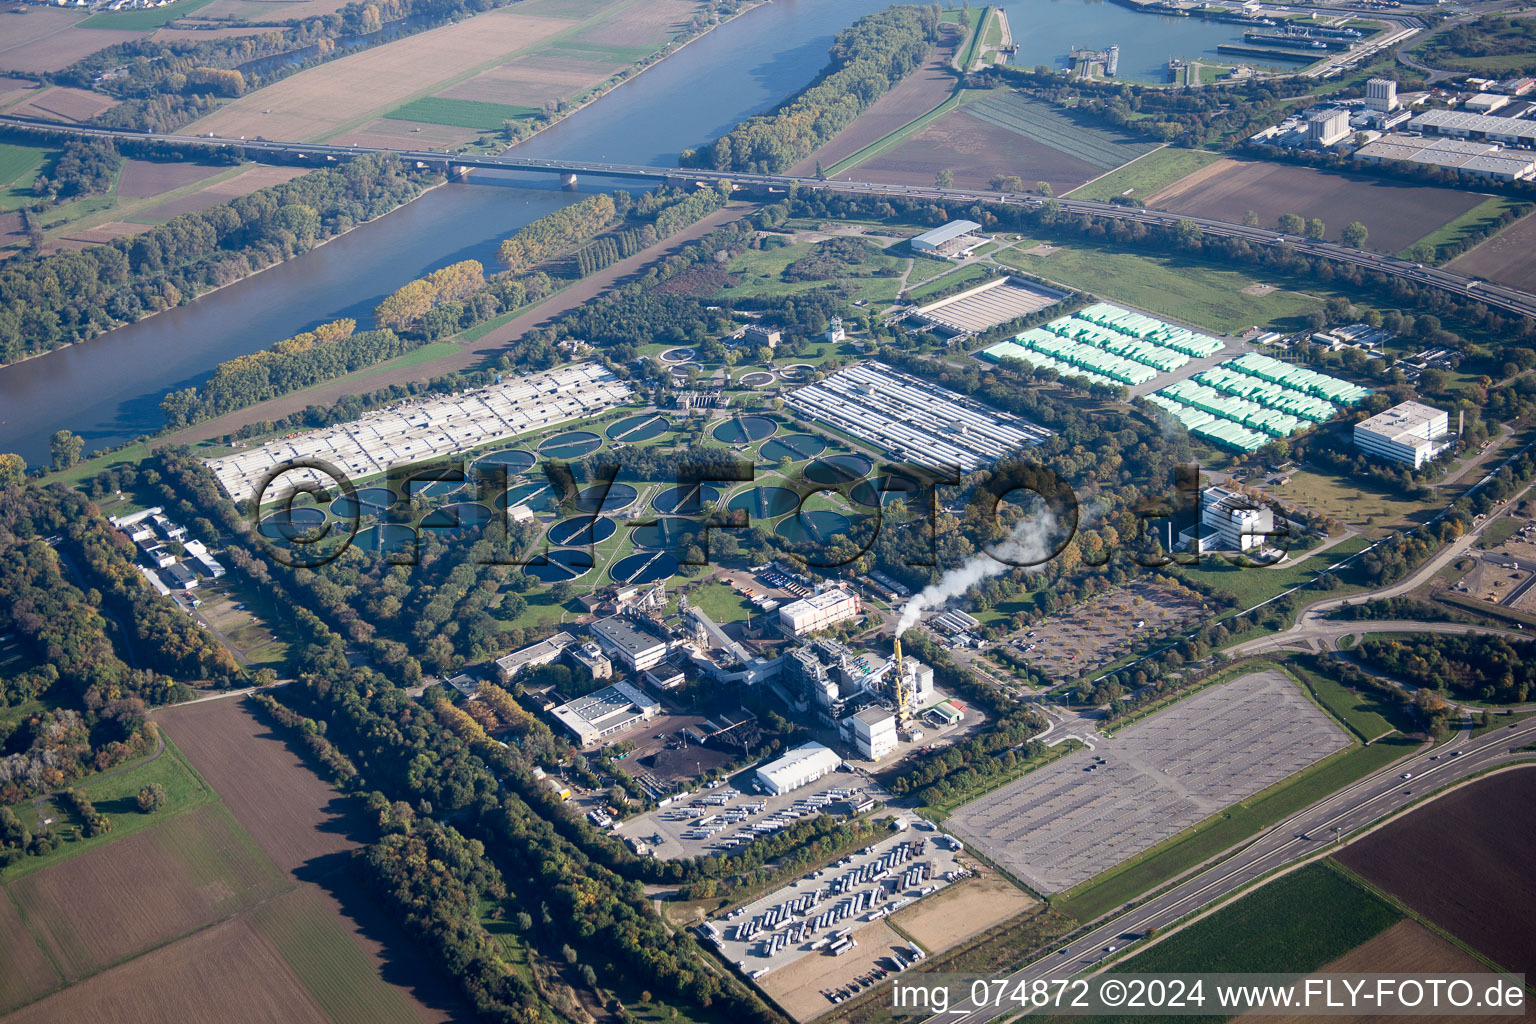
(483, 350)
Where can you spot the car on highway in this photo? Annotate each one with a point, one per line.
(1407, 775)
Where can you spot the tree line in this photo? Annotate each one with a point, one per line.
(1472, 666)
(868, 59)
(55, 300)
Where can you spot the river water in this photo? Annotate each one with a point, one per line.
(108, 389)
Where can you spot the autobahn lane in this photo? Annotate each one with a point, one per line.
(1302, 834)
(1509, 299)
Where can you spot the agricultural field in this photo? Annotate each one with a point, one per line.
(34, 38)
(19, 167)
(1005, 134)
(1147, 174)
(1396, 215)
(1197, 294)
(476, 114)
(62, 103)
(148, 18)
(1481, 217)
(1484, 831)
(913, 97)
(1296, 923)
(1504, 258)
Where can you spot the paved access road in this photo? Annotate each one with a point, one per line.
(1301, 835)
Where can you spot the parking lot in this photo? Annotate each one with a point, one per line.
(814, 915)
(1101, 630)
(722, 820)
(1066, 822)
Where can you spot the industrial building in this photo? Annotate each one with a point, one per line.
(873, 732)
(1477, 159)
(819, 611)
(542, 653)
(610, 710)
(1328, 127)
(1229, 521)
(181, 576)
(426, 429)
(985, 306)
(914, 420)
(623, 640)
(954, 240)
(1509, 131)
(1409, 432)
(1107, 345)
(799, 767)
(1381, 94)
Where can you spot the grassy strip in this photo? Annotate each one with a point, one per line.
(1147, 174)
(1222, 831)
(455, 113)
(973, 44)
(1479, 216)
(1365, 715)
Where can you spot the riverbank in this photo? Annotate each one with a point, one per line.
(482, 349)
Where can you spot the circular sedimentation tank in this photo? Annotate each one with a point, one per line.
(292, 523)
(666, 532)
(524, 494)
(557, 566)
(757, 379)
(795, 447)
(580, 531)
(517, 460)
(816, 527)
(386, 539)
(765, 502)
(634, 429)
(884, 489)
(573, 444)
(684, 499)
(611, 499)
(371, 501)
(644, 567)
(839, 470)
(744, 430)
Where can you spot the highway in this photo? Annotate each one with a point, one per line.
(1301, 835)
(1510, 300)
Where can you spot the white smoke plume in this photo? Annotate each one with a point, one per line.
(1029, 543)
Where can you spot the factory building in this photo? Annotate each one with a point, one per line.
(1410, 432)
(1230, 521)
(1381, 94)
(1457, 124)
(799, 767)
(873, 732)
(954, 240)
(1328, 127)
(1475, 159)
(818, 612)
(623, 641)
(181, 576)
(610, 710)
(534, 655)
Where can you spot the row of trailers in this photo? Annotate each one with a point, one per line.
(797, 920)
(900, 958)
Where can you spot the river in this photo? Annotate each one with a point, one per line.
(108, 389)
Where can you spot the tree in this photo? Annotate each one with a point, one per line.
(151, 798)
(1315, 228)
(1354, 234)
(1006, 183)
(1251, 218)
(13, 470)
(944, 179)
(65, 448)
(1044, 188)
(1292, 223)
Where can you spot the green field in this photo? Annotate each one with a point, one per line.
(1151, 173)
(1222, 831)
(1367, 715)
(1481, 216)
(947, 280)
(116, 796)
(761, 272)
(1188, 291)
(335, 970)
(1260, 583)
(1295, 924)
(721, 603)
(18, 169)
(459, 113)
(598, 53)
(145, 20)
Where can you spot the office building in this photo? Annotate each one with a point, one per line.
(625, 642)
(541, 653)
(819, 611)
(1410, 432)
(799, 767)
(1230, 521)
